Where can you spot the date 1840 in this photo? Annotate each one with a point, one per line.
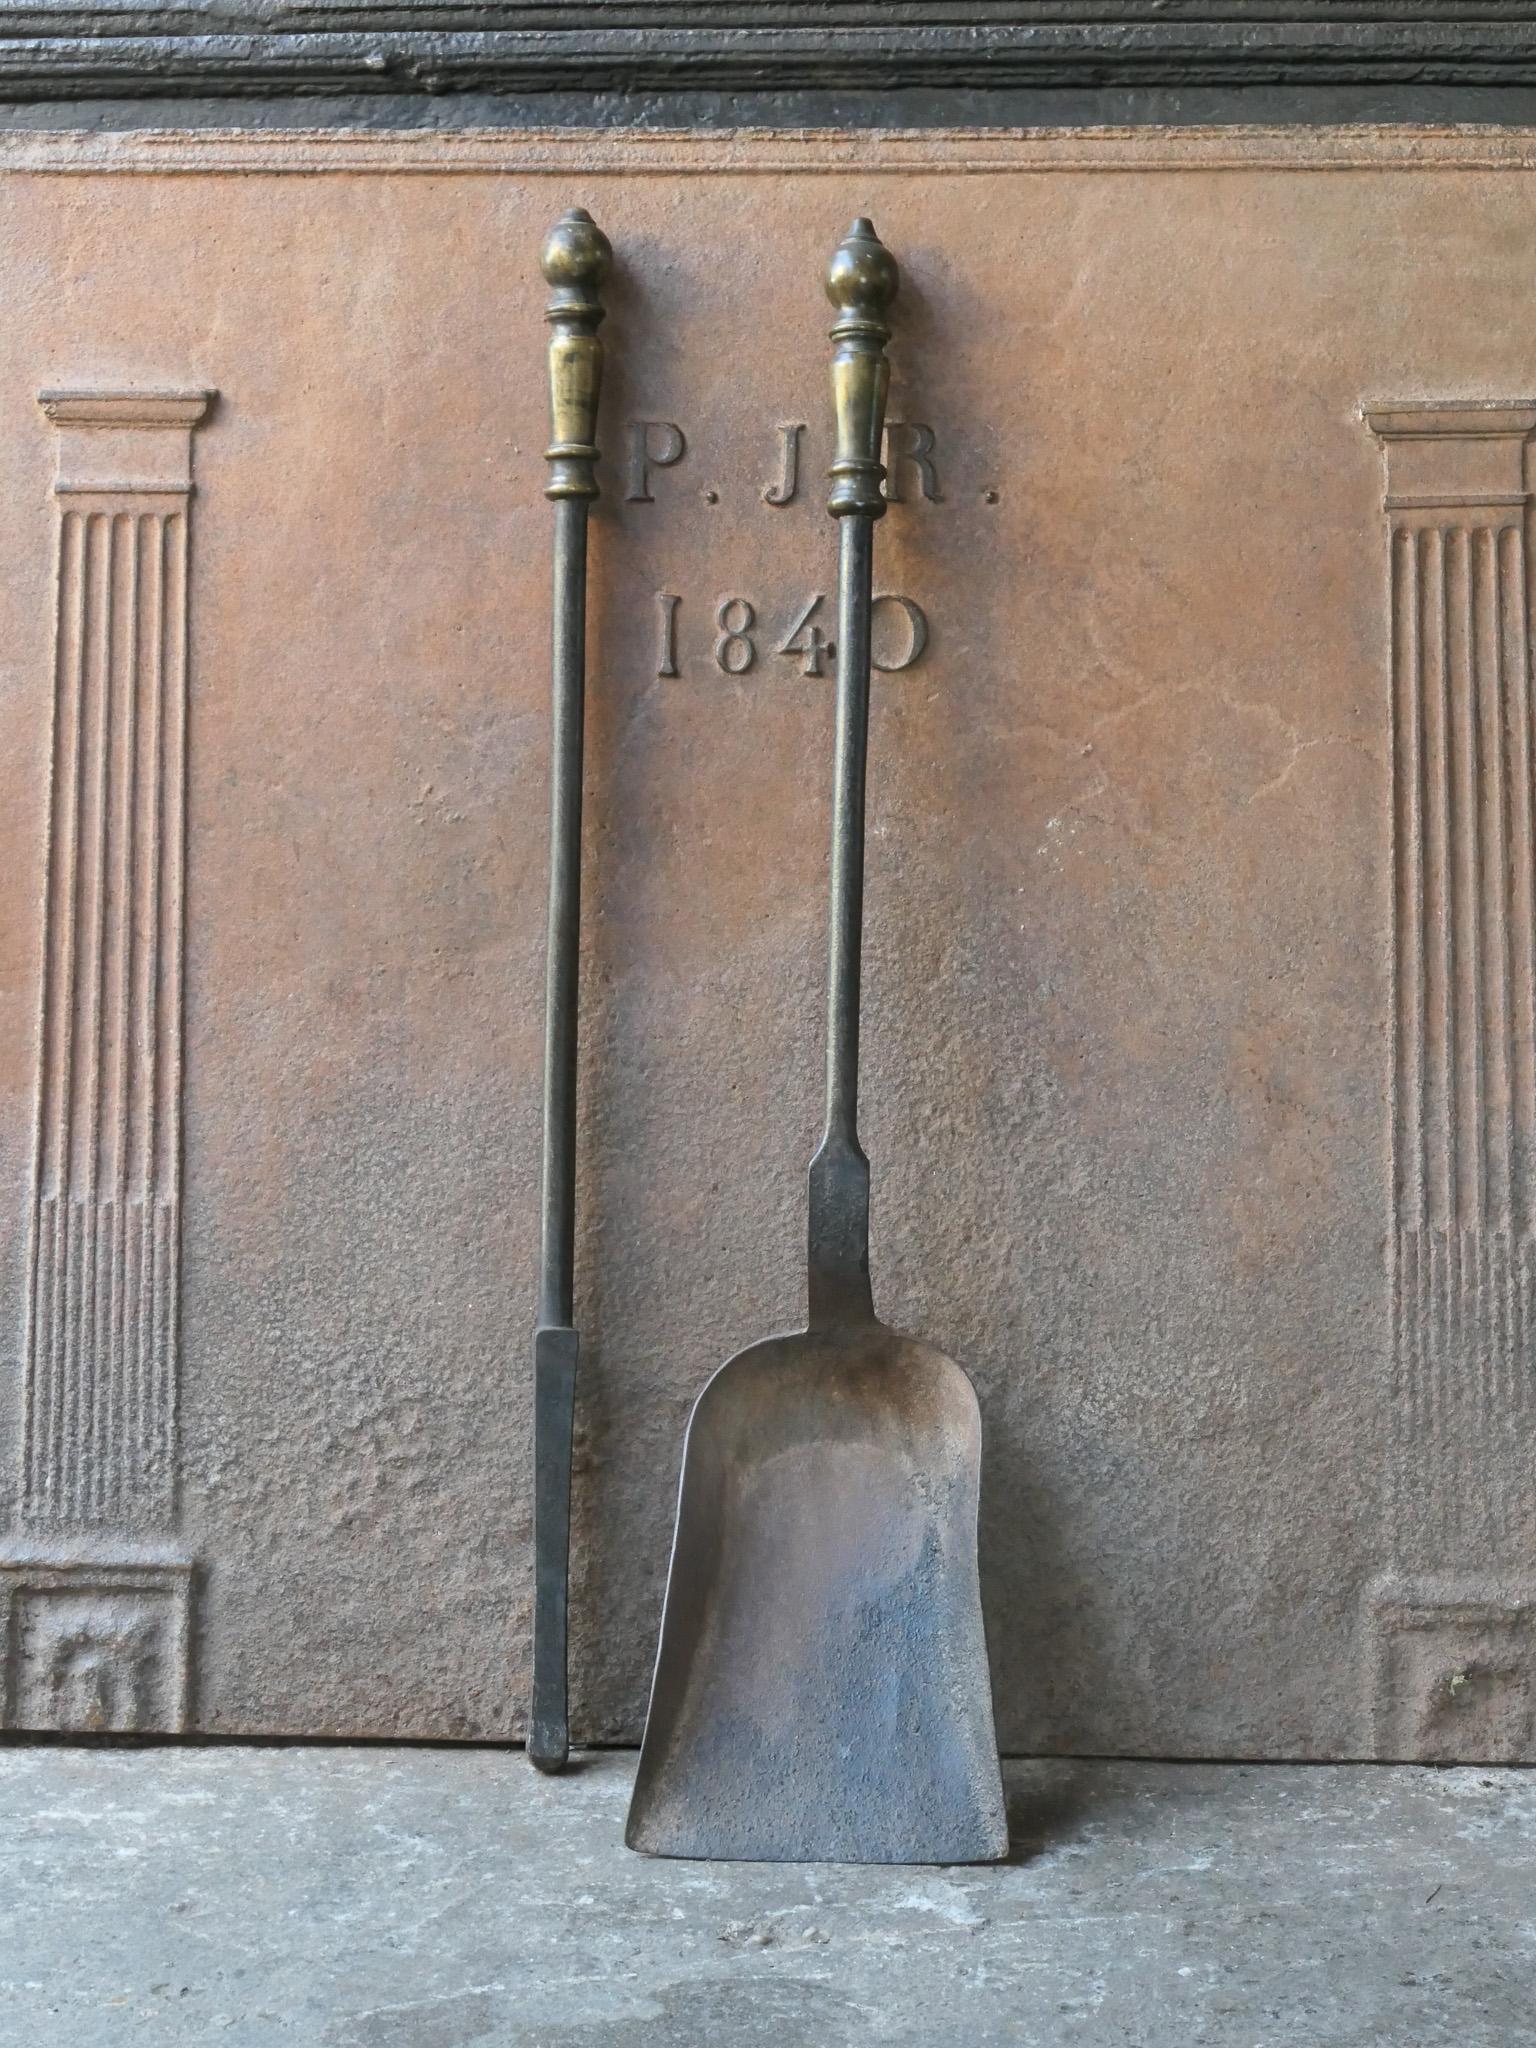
(739, 633)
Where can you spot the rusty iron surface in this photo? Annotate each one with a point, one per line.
(1141, 922)
(817, 1696)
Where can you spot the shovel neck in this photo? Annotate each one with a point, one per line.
(837, 1239)
(846, 922)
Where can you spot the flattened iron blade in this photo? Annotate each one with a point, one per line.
(821, 1691)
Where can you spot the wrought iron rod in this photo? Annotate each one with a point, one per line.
(861, 282)
(575, 261)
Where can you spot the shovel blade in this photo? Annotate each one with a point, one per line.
(821, 1691)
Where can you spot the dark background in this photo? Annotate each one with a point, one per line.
(669, 63)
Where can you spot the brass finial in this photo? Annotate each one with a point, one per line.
(861, 283)
(575, 261)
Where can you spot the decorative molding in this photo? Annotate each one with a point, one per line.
(131, 409)
(1474, 419)
(94, 1628)
(747, 152)
(296, 17)
(1454, 1667)
(100, 1352)
(70, 48)
(1462, 1261)
(96, 1645)
(1464, 966)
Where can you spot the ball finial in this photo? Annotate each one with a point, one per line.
(862, 276)
(576, 252)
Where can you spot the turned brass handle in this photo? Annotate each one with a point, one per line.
(861, 282)
(575, 261)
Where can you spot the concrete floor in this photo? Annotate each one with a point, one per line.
(396, 1898)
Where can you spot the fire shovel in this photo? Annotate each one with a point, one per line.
(821, 1690)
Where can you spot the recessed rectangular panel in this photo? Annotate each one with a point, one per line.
(1198, 1007)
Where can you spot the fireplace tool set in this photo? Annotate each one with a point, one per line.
(821, 1689)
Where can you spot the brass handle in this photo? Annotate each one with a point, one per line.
(861, 282)
(575, 261)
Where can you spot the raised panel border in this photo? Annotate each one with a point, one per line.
(69, 49)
